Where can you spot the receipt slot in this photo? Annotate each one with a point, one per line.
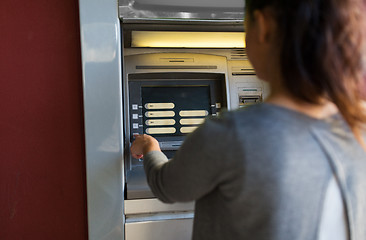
(249, 96)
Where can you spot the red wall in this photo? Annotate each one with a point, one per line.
(42, 159)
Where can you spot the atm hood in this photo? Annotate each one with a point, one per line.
(182, 11)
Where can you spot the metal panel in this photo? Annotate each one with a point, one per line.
(146, 206)
(204, 10)
(101, 62)
(242, 75)
(179, 229)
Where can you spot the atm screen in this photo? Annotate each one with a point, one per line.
(174, 110)
(169, 106)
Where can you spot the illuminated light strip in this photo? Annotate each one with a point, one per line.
(173, 39)
(193, 113)
(160, 122)
(159, 105)
(191, 121)
(168, 130)
(157, 114)
(187, 129)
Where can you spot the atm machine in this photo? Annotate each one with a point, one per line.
(167, 93)
(132, 87)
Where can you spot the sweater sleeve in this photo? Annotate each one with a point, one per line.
(197, 167)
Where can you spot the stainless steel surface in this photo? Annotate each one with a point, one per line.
(101, 64)
(152, 219)
(137, 187)
(177, 229)
(147, 206)
(177, 10)
(159, 217)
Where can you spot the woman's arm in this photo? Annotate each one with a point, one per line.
(197, 167)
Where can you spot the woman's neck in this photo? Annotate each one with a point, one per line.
(319, 111)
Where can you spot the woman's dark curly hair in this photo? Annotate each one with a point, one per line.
(322, 45)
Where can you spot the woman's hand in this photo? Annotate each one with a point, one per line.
(144, 144)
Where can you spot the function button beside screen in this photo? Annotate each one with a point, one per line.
(193, 113)
(167, 130)
(159, 105)
(187, 129)
(134, 106)
(160, 122)
(155, 114)
(191, 121)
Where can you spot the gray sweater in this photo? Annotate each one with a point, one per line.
(261, 173)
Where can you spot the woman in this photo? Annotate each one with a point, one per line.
(293, 167)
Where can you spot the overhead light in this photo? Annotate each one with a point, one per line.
(174, 39)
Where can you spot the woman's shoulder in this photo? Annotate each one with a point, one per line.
(262, 117)
(256, 114)
(230, 121)
(250, 112)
